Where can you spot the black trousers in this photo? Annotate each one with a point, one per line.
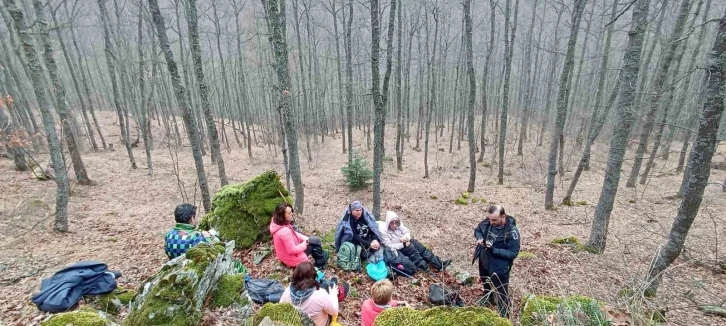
(497, 285)
(315, 249)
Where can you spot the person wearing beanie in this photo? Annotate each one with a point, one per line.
(395, 236)
(358, 226)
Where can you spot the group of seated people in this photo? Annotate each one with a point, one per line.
(390, 241)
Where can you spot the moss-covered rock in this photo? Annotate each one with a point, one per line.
(470, 316)
(176, 294)
(242, 212)
(466, 195)
(283, 313)
(526, 255)
(570, 240)
(574, 310)
(229, 291)
(112, 302)
(461, 201)
(78, 318)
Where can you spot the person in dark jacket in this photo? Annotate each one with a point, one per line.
(497, 245)
(359, 227)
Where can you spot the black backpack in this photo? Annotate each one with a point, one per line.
(441, 295)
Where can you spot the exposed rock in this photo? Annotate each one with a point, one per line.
(242, 212)
(176, 294)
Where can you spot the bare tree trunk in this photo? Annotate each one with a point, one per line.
(472, 95)
(597, 120)
(509, 52)
(657, 90)
(349, 82)
(625, 115)
(201, 82)
(182, 100)
(8, 131)
(562, 101)
(278, 41)
(700, 161)
(432, 98)
(399, 109)
(60, 95)
(527, 73)
(553, 70)
(60, 222)
(145, 130)
(111, 62)
(243, 81)
(485, 80)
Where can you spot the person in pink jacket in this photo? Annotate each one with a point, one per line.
(291, 246)
(319, 301)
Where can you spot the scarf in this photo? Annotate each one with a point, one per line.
(298, 296)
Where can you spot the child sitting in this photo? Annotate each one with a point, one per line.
(381, 293)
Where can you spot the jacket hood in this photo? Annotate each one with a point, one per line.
(274, 227)
(391, 216)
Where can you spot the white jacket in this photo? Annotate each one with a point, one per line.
(394, 239)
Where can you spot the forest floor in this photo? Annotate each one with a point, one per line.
(122, 220)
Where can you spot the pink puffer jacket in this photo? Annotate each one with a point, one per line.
(289, 245)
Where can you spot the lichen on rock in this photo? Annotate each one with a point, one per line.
(282, 313)
(78, 318)
(573, 310)
(242, 212)
(176, 294)
(470, 316)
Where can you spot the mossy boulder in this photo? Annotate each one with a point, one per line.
(461, 201)
(570, 240)
(176, 294)
(242, 212)
(284, 313)
(113, 302)
(574, 310)
(470, 316)
(229, 291)
(78, 318)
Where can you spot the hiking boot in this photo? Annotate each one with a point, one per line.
(445, 263)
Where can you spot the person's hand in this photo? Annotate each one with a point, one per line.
(375, 245)
(489, 244)
(334, 290)
(206, 234)
(480, 241)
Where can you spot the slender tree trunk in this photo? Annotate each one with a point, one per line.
(551, 78)
(12, 139)
(399, 109)
(625, 117)
(485, 80)
(60, 222)
(182, 100)
(657, 90)
(472, 95)
(562, 101)
(700, 160)
(597, 120)
(111, 62)
(349, 82)
(509, 52)
(432, 97)
(278, 41)
(145, 130)
(60, 95)
(528, 91)
(201, 82)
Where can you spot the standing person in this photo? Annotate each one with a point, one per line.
(396, 236)
(291, 246)
(184, 235)
(497, 245)
(305, 292)
(358, 226)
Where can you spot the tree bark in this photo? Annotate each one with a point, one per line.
(700, 160)
(60, 222)
(349, 82)
(145, 129)
(60, 96)
(657, 90)
(623, 124)
(528, 91)
(485, 80)
(13, 140)
(111, 62)
(509, 52)
(563, 97)
(399, 109)
(202, 83)
(597, 120)
(472, 96)
(182, 100)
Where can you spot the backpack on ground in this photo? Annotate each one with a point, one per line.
(377, 271)
(348, 257)
(441, 295)
(262, 290)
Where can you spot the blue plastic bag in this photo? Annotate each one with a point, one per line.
(377, 271)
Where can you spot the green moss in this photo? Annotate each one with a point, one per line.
(570, 240)
(279, 312)
(486, 164)
(471, 316)
(242, 212)
(461, 201)
(526, 255)
(583, 203)
(567, 201)
(172, 301)
(76, 318)
(229, 291)
(574, 310)
(474, 200)
(113, 302)
(466, 195)
(433, 197)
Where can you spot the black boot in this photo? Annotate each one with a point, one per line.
(438, 263)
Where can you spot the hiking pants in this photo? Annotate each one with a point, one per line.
(420, 256)
(497, 285)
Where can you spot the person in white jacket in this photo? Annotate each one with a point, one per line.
(396, 236)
